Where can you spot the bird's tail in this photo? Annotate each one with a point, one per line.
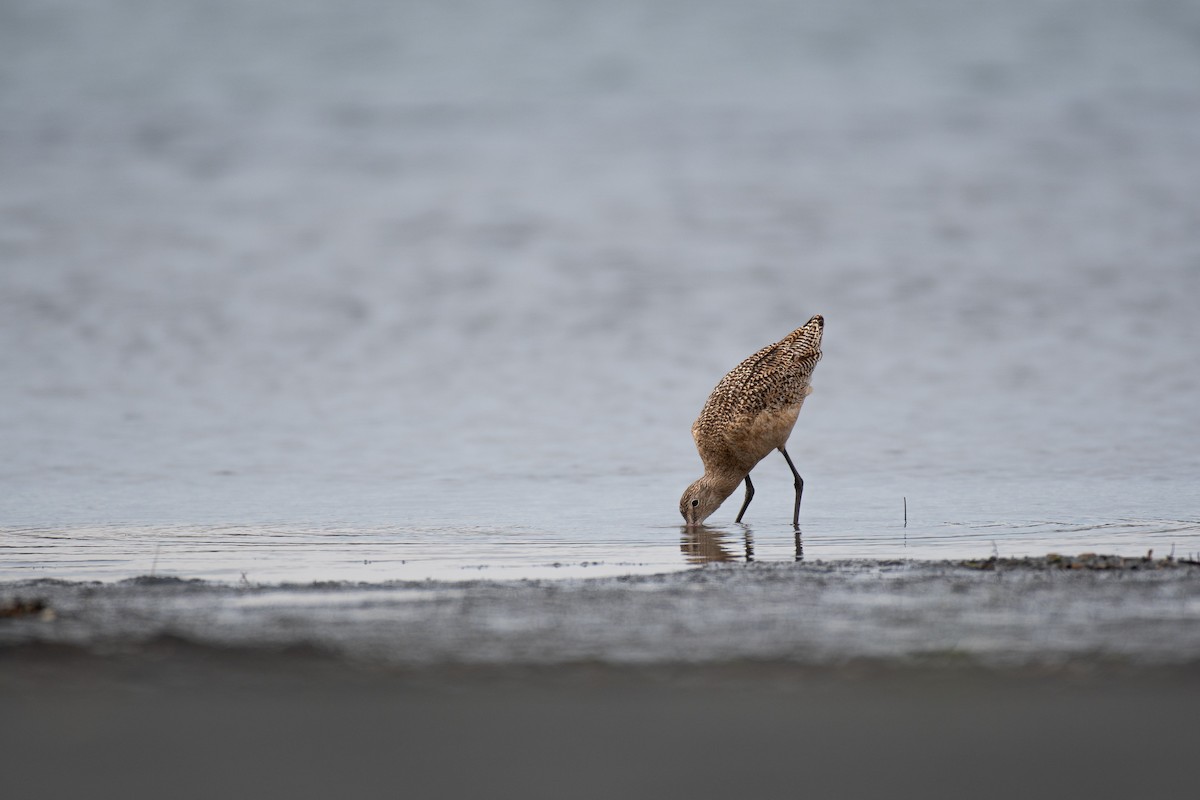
(806, 340)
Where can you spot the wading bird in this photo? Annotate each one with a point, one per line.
(750, 413)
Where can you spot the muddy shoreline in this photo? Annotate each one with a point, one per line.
(1060, 677)
(991, 613)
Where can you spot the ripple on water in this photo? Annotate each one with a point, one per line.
(277, 554)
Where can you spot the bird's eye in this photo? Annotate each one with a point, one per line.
(695, 503)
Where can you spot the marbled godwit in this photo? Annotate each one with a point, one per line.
(749, 414)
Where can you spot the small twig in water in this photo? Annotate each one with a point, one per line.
(906, 512)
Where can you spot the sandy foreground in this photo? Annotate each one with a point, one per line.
(1063, 677)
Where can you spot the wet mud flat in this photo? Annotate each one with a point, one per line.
(1057, 676)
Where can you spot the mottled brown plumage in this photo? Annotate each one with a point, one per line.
(750, 413)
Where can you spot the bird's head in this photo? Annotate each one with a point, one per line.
(701, 499)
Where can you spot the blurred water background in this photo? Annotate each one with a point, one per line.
(368, 289)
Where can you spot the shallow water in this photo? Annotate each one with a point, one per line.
(363, 291)
(291, 553)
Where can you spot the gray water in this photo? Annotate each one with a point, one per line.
(374, 290)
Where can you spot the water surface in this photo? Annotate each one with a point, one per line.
(376, 290)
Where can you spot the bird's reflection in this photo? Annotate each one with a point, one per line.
(703, 545)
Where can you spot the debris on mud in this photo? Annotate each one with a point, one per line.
(17, 607)
(1084, 561)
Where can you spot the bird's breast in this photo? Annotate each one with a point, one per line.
(745, 441)
(770, 429)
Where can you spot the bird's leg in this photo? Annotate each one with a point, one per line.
(749, 497)
(799, 488)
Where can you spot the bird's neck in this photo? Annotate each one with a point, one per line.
(722, 483)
